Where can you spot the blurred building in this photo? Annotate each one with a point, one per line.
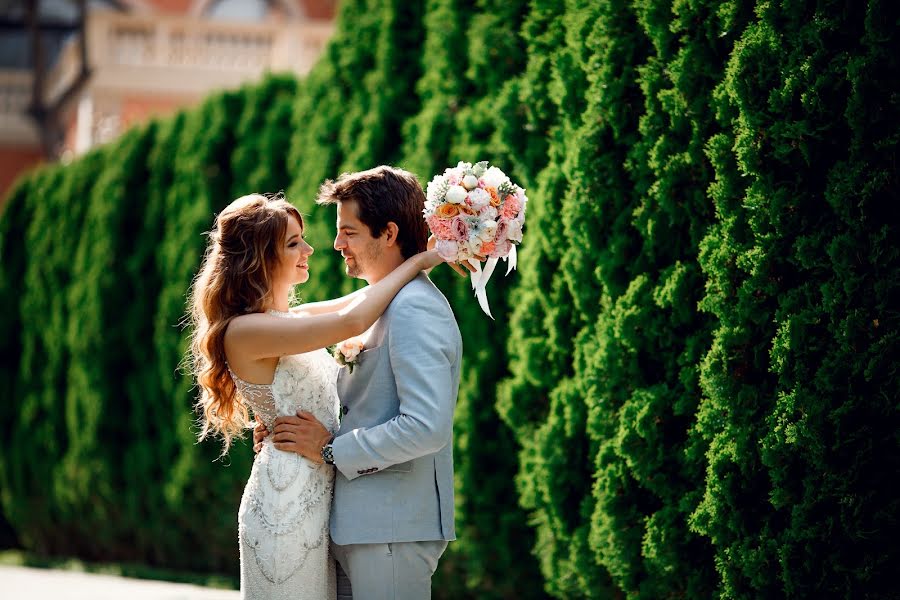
(76, 73)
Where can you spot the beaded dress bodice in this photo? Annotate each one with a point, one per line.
(283, 518)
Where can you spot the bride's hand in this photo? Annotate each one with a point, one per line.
(429, 259)
(259, 434)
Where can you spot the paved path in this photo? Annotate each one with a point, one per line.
(47, 584)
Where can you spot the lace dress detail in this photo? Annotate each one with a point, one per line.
(283, 518)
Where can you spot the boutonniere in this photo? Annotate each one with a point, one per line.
(347, 352)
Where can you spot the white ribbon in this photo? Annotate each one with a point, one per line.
(480, 277)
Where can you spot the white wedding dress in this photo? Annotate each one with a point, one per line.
(283, 518)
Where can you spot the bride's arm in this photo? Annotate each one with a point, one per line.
(309, 309)
(260, 335)
(329, 306)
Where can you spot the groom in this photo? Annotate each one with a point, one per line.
(392, 512)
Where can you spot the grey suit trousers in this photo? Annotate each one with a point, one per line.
(390, 571)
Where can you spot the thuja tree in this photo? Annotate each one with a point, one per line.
(13, 225)
(203, 497)
(92, 476)
(319, 146)
(538, 400)
(37, 505)
(263, 136)
(382, 98)
(349, 116)
(152, 446)
(442, 89)
(799, 411)
(491, 539)
(641, 372)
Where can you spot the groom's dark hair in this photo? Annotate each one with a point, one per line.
(383, 194)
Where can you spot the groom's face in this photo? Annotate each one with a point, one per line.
(354, 241)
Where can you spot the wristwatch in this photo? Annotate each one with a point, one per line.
(328, 452)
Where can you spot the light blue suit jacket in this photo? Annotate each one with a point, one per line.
(394, 449)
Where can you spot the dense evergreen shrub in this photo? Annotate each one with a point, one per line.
(37, 501)
(800, 406)
(689, 390)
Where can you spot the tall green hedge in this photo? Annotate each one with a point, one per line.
(689, 389)
(800, 408)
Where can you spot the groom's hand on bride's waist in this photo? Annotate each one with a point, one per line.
(303, 434)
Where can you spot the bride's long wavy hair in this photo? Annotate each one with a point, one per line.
(235, 278)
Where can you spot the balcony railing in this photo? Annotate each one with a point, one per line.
(186, 55)
(140, 55)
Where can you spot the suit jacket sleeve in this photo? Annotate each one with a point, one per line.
(422, 345)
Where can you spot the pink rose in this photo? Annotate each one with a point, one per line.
(510, 208)
(501, 249)
(459, 230)
(439, 227)
(447, 249)
(502, 227)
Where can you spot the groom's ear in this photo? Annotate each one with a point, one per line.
(391, 231)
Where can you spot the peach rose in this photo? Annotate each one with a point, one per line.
(447, 211)
(495, 196)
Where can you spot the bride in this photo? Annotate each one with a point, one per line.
(251, 353)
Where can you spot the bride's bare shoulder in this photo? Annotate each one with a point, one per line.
(247, 324)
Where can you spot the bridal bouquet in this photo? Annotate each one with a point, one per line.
(476, 213)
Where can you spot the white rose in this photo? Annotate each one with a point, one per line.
(350, 349)
(447, 249)
(488, 213)
(514, 232)
(488, 230)
(493, 177)
(457, 194)
(470, 182)
(475, 246)
(479, 198)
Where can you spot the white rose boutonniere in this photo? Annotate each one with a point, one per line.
(347, 352)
